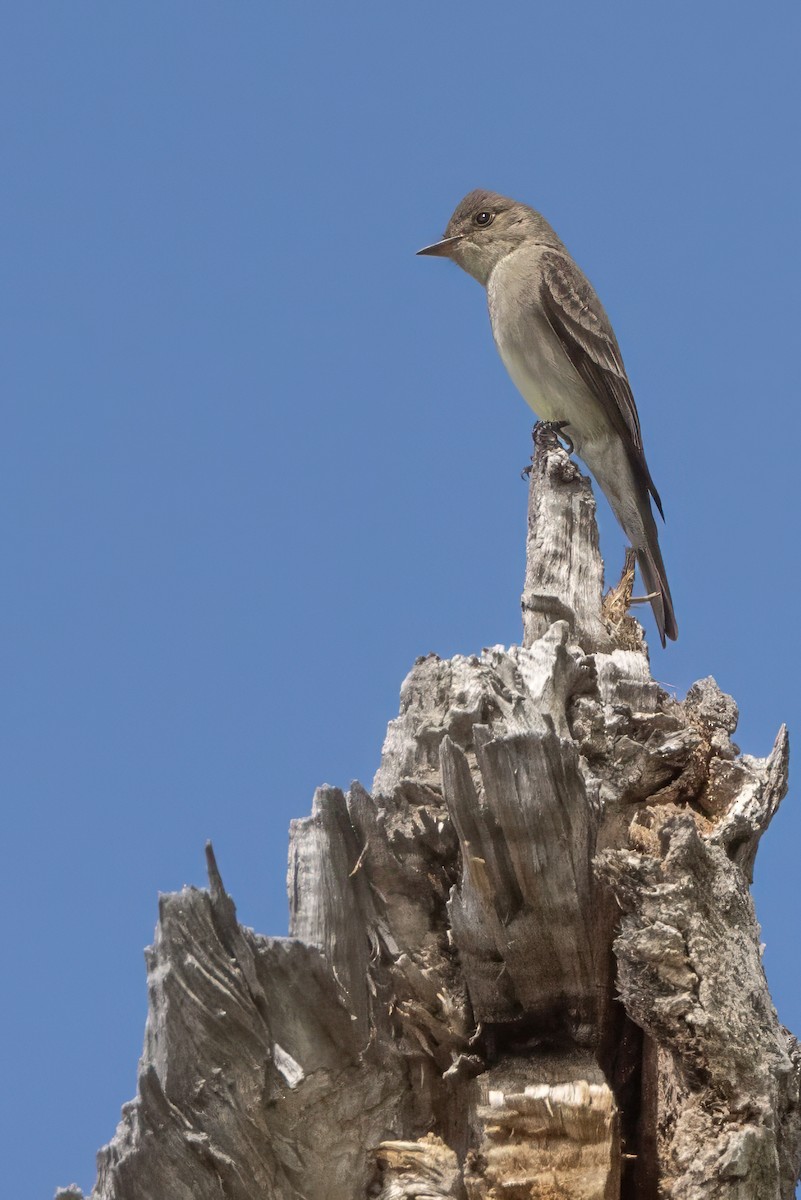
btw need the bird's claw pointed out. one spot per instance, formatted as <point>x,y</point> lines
<point>557,428</point>
<point>557,431</point>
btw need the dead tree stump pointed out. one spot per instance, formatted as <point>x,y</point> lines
<point>525,966</point>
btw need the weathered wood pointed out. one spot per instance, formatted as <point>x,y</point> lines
<point>423,1170</point>
<point>545,1139</point>
<point>252,1069</point>
<point>690,974</point>
<point>526,965</point>
<point>519,914</point>
<point>564,571</point>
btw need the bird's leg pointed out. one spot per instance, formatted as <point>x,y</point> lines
<point>553,434</point>
<point>557,428</point>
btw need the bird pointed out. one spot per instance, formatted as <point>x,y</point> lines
<point>558,346</point>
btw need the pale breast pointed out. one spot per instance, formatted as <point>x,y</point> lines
<point>532,352</point>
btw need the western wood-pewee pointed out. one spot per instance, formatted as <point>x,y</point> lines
<point>558,345</point>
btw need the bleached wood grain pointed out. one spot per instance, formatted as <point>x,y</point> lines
<point>525,965</point>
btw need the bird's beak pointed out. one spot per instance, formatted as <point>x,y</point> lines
<point>442,249</point>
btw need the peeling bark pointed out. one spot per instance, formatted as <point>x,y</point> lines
<point>527,965</point>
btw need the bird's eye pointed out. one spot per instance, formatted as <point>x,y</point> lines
<point>484,218</point>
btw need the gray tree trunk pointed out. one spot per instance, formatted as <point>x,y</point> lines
<point>526,965</point>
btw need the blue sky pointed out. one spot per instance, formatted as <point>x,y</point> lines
<point>257,457</point>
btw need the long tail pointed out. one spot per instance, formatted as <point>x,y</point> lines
<point>625,481</point>
<point>655,577</point>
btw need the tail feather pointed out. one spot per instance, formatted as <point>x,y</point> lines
<point>626,483</point>
<point>654,578</point>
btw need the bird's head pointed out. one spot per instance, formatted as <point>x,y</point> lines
<point>485,228</point>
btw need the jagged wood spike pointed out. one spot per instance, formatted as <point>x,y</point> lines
<point>526,965</point>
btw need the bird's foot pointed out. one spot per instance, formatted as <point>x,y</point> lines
<point>557,430</point>
<point>551,433</point>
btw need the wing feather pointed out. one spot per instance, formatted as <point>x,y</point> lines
<point>577,317</point>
